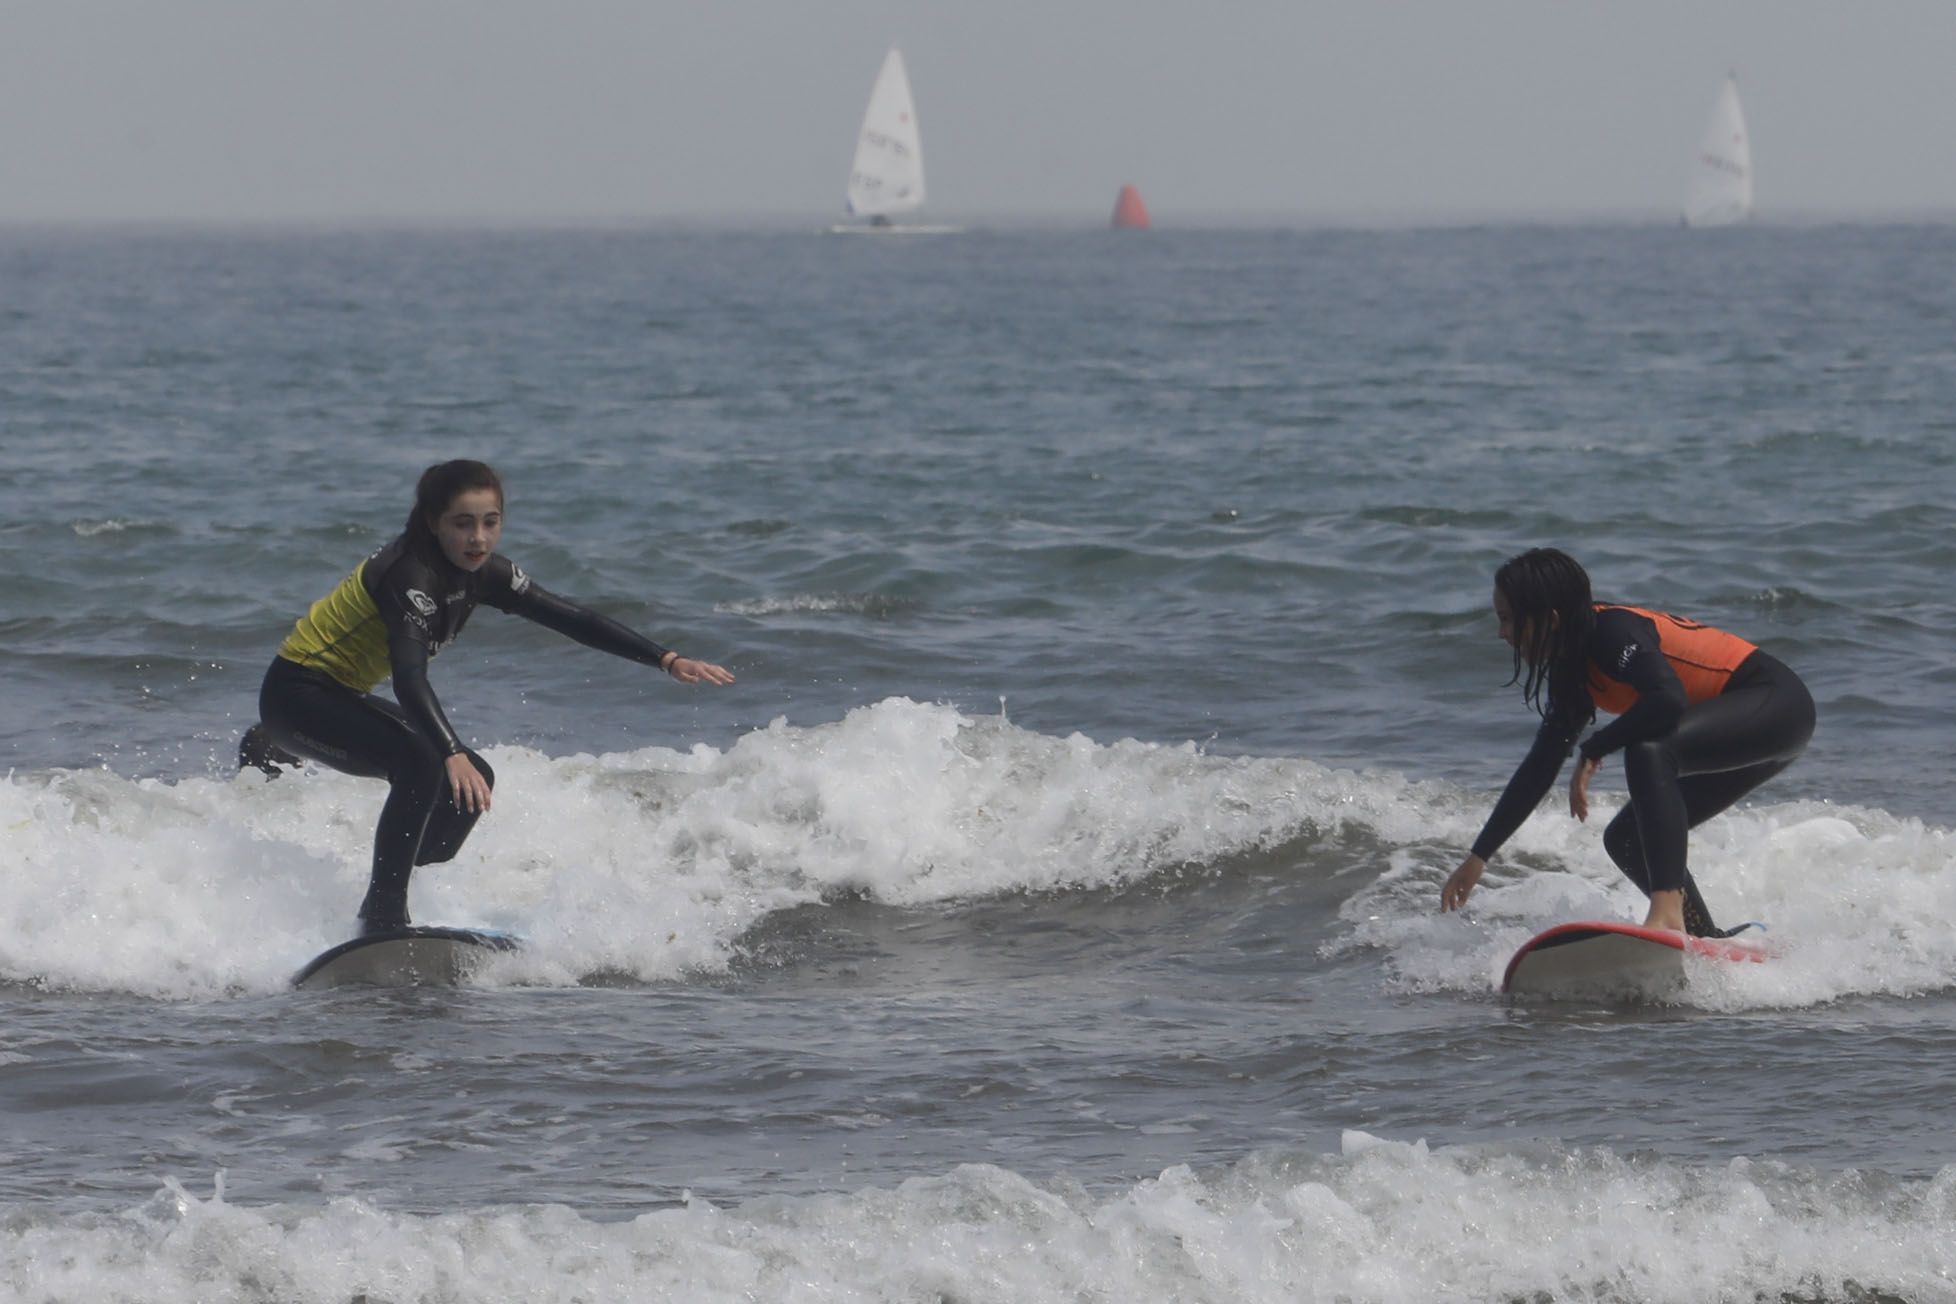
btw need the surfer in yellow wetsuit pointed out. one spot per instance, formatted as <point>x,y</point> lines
<point>396,610</point>
<point>1703,718</point>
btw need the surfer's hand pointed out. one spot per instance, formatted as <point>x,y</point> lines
<point>1579,787</point>
<point>466,782</point>
<point>688,671</point>
<point>1461,882</point>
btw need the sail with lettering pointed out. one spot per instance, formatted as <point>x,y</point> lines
<point>1720,193</point>
<point>887,178</point>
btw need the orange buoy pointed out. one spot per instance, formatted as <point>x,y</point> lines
<point>1129,211</point>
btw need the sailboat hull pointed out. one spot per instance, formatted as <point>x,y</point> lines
<point>895,229</point>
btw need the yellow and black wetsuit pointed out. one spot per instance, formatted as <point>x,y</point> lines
<point>1703,718</point>
<point>399,608</point>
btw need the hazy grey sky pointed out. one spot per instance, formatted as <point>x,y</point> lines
<point>1216,109</point>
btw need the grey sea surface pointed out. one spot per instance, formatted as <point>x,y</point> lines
<point>1116,686</point>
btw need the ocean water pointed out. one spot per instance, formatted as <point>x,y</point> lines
<point>1049,911</point>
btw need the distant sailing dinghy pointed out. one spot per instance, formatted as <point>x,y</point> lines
<point>886,181</point>
<point>1721,179</point>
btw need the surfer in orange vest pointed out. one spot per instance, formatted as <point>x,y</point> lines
<point>1702,718</point>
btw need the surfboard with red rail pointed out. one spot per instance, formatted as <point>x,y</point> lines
<point>1600,957</point>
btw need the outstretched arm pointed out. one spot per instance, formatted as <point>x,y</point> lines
<point>595,630</point>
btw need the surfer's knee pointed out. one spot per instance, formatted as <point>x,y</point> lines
<point>449,824</point>
<point>256,750</point>
<point>1642,755</point>
<point>1649,761</point>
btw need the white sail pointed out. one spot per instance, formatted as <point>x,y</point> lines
<point>888,175</point>
<point>1721,179</point>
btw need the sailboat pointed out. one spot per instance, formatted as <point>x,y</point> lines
<point>886,181</point>
<point>1720,193</point>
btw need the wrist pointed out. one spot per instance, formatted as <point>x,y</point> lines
<point>668,661</point>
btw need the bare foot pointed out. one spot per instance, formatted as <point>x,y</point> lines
<point>1666,911</point>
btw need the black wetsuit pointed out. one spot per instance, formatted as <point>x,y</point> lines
<point>396,610</point>
<point>1684,761</point>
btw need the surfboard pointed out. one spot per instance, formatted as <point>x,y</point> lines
<point>406,957</point>
<point>1601,958</point>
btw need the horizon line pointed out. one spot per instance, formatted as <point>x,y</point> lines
<point>1003,220</point>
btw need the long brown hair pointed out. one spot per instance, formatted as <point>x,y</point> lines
<point>1552,615</point>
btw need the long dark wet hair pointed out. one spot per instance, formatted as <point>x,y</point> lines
<point>1553,616</point>
<point>439,486</point>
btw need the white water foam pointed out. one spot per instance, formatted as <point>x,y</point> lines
<point>649,864</point>
<point>89,529</point>
<point>653,864</point>
<point>1382,1220</point>
<point>876,605</point>
<point>1855,902</point>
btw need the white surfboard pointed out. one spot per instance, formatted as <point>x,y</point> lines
<point>1602,958</point>
<point>406,957</point>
